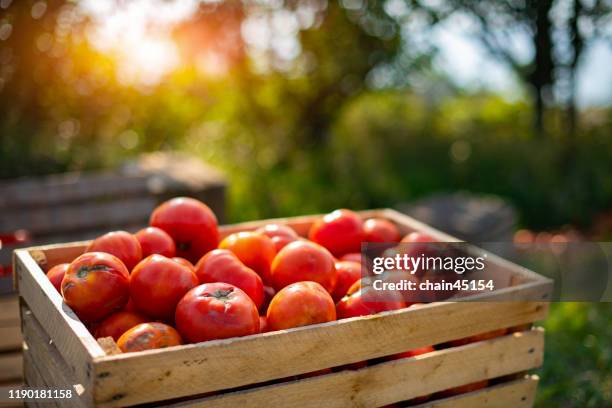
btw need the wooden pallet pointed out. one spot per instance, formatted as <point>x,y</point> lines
<point>257,370</point>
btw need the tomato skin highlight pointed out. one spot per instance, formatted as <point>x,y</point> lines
<point>354,304</point>
<point>121,244</point>
<point>155,241</point>
<point>348,273</point>
<point>148,336</point>
<point>280,234</point>
<point>216,311</point>
<point>157,284</point>
<point>191,224</point>
<point>380,230</point>
<point>340,231</point>
<point>300,304</point>
<point>304,261</point>
<point>56,275</point>
<point>255,250</point>
<point>118,323</point>
<point>222,265</point>
<point>95,285</point>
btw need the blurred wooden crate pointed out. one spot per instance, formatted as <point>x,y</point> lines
<point>258,370</point>
<point>78,206</point>
<point>11,361</point>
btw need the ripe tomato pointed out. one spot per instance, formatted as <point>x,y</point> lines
<point>184,262</point>
<point>263,324</point>
<point>158,283</point>
<point>340,232</point>
<point>304,261</point>
<point>121,244</point>
<point>300,304</point>
<point>380,230</point>
<point>190,223</point>
<point>412,353</point>
<point>464,388</point>
<point>479,337</point>
<point>118,323</point>
<point>254,250</point>
<point>155,241</point>
<point>418,237</point>
<point>269,293</point>
<point>354,304</point>
<point>216,311</point>
<point>56,274</point>
<point>280,234</point>
<point>221,265</point>
<point>95,285</point>
<point>147,336</point>
<point>348,273</point>
<point>352,257</point>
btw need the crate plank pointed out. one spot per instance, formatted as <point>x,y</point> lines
<point>517,394</point>
<point>245,360</point>
<point>71,336</point>
<point>11,366</point>
<point>35,379</point>
<point>396,380</point>
<point>43,353</point>
<point>9,309</point>
<point>10,337</point>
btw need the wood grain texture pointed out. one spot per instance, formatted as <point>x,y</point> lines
<point>516,394</point>
<point>178,370</point>
<point>69,334</point>
<point>9,309</point>
<point>44,355</point>
<point>10,337</point>
<point>11,366</point>
<point>397,380</point>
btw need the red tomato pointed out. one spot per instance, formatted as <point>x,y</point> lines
<point>190,223</point>
<point>155,241</point>
<point>300,304</point>
<point>352,257</point>
<point>56,274</point>
<point>121,244</point>
<point>280,234</point>
<point>118,323</point>
<point>147,336</point>
<point>158,283</point>
<point>340,231</point>
<point>354,304</point>
<point>479,337</point>
<point>380,230</point>
<point>95,285</point>
<point>216,311</point>
<point>184,262</point>
<point>412,353</point>
<point>254,250</point>
<point>418,237</point>
<point>464,388</point>
<point>221,265</point>
<point>130,307</point>
<point>304,261</point>
<point>263,324</point>
<point>348,273</point>
<point>269,293</point>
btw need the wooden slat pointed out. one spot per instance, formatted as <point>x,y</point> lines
<point>516,394</point>
<point>71,337</point>
<point>397,380</point>
<point>178,371</point>
<point>11,366</point>
<point>9,309</point>
<point>10,337</point>
<point>43,355</point>
<point>35,379</point>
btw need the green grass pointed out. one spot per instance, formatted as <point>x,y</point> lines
<point>577,369</point>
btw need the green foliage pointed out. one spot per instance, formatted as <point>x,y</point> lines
<point>577,368</point>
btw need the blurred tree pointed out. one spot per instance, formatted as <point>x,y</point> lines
<point>558,30</point>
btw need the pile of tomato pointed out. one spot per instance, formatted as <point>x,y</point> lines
<point>178,282</point>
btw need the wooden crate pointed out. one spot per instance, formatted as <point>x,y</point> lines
<point>60,352</point>
<point>78,206</point>
<point>11,361</point>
